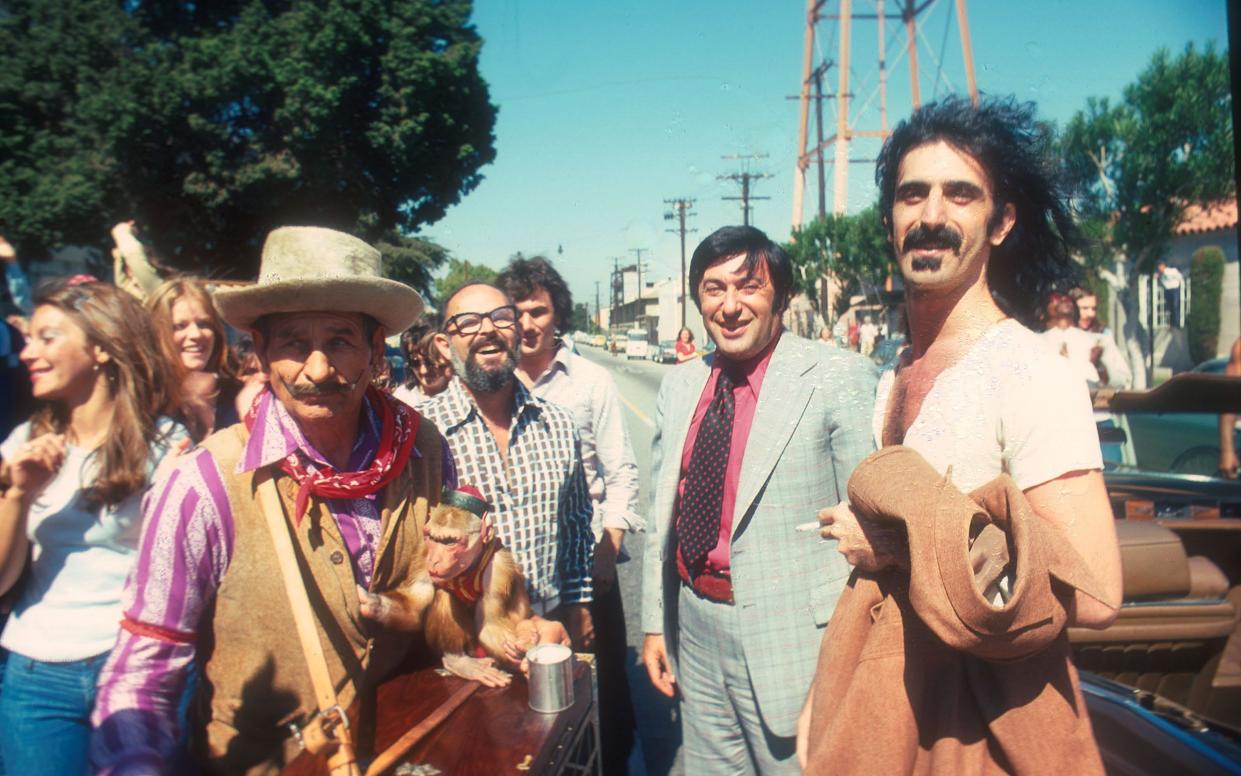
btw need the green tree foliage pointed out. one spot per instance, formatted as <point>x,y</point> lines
<point>1135,166</point>
<point>581,318</point>
<point>412,260</point>
<point>457,274</point>
<point>1206,272</point>
<point>211,123</point>
<point>853,248</point>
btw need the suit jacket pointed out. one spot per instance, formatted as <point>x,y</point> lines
<point>811,428</point>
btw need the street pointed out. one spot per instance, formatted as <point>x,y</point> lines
<point>659,729</point>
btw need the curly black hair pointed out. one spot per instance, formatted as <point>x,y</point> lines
<point>522,277</point>
<point>1002,135</point>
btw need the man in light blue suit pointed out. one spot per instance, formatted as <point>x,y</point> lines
<point>748,445</point>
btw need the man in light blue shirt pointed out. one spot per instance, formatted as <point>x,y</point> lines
<point>553,372</point>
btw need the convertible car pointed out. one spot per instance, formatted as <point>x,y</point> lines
<point>1163,683</point>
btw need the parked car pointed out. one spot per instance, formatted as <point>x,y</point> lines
<point>1163,682</point>
<point>599,341</point>
<point>665,352</point>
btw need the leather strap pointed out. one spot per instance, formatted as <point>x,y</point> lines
<point>341,762</point>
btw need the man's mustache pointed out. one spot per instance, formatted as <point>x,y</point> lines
<point>922,237</point>
<point>301,391</point>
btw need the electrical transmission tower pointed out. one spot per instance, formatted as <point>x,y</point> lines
<point>680,209</point>
<point>745,178</point>
<point>849,124</point>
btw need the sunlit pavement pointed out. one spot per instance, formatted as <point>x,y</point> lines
<point>659,724</point>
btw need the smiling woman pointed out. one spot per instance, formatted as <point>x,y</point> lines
<point>73,477</point>
<point>195,344</point>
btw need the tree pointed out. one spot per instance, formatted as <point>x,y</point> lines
<point>1206,275</point>
<point>852,248</point>
<point>458,274</point>
<point>1136,166</point>
<point>581,318</point>
<point>212,123</point>
<point>412,260</point>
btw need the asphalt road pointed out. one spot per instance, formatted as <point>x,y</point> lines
<point>659,726</point>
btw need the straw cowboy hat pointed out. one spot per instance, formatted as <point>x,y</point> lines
<point>312,269</point>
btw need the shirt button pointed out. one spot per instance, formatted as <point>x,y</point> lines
<point>337,557</point>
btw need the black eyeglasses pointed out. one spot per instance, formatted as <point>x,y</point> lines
<point>467,324</point>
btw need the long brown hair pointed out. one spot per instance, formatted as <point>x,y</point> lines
<point>161,302</point>
<point>138,382</point>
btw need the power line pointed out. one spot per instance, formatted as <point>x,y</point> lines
<point>745,178</point>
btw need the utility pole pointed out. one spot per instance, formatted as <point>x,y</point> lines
<point>597,308</point>
<point>744,177</point>
<point>678,212</point>
<point>618,283</point>
<point>638,252</point>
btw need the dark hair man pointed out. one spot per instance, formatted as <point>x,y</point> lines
<point>980,233</point>
<point>522,452</point>
<point>749,443</point>
<point>553,372</point>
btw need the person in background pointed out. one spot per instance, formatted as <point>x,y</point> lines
<point>1108,360</point>
<point>15,279</point>
<point>194,337</point>
<point>426,371</point>
<point>867,333</point>
<point>825,335</point>
<point>1079,347</point>
<point>73,478</point>
<point>1170,280</point>
<point>686,349</point>
<point>551,371</point>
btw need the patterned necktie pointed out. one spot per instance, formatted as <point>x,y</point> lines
<point>698,521</point>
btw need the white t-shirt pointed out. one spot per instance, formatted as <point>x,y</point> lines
<point>1008,406</point>
<point>70,603</point>
<point>1075,344</point>
<point>1170,278</point>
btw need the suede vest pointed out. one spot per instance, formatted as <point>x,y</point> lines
<point>254,679</point>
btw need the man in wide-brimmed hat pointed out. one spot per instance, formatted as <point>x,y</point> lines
<point>354,473</point>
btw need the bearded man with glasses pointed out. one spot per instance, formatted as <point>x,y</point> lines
<point>521,452</point>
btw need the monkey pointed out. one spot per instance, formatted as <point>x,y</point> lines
<point>480,616</point>
<point>468,596</point>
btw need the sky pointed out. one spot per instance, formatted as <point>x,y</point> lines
<point>607,109</point>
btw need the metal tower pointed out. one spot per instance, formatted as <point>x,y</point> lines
<point>849,124</point>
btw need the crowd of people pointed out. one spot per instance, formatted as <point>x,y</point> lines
<point>188,449</point>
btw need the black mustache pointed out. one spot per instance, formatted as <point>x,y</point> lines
<point>923,237</point>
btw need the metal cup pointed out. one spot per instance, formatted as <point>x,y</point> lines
<point>551,678</point>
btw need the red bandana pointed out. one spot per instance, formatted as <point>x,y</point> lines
<point>398,427</point>
<point>468,586</point>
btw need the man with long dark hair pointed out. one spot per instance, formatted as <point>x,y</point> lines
<point>981,233</point>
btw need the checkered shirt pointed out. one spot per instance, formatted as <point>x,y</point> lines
<point>541,505</point>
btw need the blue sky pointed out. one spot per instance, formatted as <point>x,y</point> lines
<point>608,109</point>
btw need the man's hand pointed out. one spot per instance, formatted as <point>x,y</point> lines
<point>581,627</point>
<point>864,545</point>
<point>655,658</point>
<point>604,571</point>
<point>535,630</point>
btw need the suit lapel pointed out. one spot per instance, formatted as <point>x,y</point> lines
<point>781,401</point>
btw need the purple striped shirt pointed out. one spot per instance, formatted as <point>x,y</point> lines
<point>187,543</point>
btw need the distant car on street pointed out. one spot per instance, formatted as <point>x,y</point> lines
<point>636,344</point>
<point>599,341</point>
<point>664,353</point>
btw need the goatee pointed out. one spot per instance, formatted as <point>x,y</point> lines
<point>483,380</point>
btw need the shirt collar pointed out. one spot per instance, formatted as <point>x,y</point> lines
<point>752,368</point>
<point>276,435</point>
<point>459,405</point>
<point>559,361</point>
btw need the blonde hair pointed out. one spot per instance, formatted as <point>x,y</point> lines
<point>137,375</point>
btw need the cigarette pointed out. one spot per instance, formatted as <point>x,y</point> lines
<point>810,526</point>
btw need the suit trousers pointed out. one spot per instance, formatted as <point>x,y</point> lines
<point>722,727</point>
<point>616,716</point>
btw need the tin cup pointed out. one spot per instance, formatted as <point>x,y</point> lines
<point>551,678</point>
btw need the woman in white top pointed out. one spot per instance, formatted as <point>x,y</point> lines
<point>73,477</point>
